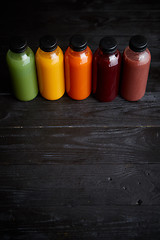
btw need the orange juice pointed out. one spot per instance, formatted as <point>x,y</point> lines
<point>78,68</point>
<point>50,68</point>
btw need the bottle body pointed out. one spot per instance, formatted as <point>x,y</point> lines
<point>23,74</point>
<point>106,74</point>
<point>135,74</point>
<point>50,70</point>
<point>78,73</point>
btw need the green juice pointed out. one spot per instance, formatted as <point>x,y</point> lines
<point>23,74</point>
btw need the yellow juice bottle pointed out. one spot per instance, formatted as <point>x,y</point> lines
<point>50,68</point>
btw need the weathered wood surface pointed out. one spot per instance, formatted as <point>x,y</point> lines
<point>82,222</point>
<point>80,169</point>
<point>74,185</point>
<point>79,145</point>
<point>86,113</point>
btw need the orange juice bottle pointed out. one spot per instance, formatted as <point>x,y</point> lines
<point>78,68</point>
<point>50,68</point>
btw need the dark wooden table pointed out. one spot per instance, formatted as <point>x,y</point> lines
<point>80,169</point>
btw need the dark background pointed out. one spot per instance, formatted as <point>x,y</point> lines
<point>80,169</point>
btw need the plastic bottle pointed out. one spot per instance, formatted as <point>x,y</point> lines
<point>106,70</point>
<point>50,68</point>
<point>21,63</point>
<point>78,68</point>
<point>136,64</point>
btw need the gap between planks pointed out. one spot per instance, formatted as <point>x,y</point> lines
<point>81,126</point>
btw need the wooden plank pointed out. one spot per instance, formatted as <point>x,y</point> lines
<point>79,145</point>
<point>15,9</point>
<point>90,112</point>
<point>99,5</point>
<point>153,84</point>
<point>80,223</point>
<point>79,185</point>
<point>92,25</point>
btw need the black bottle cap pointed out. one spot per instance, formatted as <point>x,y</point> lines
<point>108,45</point>
<point>138,43</point>
<point>48,43</point>
<point>18,44</point>
<point>78,43</point>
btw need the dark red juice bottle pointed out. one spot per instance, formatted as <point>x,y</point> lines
<point>106,70</point>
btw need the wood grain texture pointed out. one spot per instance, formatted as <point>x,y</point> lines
<point>89,112</point>
<point>87,5</point>
<point>79,145</point>
<point>79,185</point>
<point>93,24</point>
<point>81,223</point>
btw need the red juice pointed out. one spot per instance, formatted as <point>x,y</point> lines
<point>106,70</point>
<point>136,64</point>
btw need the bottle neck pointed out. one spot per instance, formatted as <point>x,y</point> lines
<point>76,53</point>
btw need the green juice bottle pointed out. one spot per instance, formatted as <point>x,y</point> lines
<point>21,64</point>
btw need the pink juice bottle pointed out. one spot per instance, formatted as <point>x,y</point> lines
<point>136,64</point>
